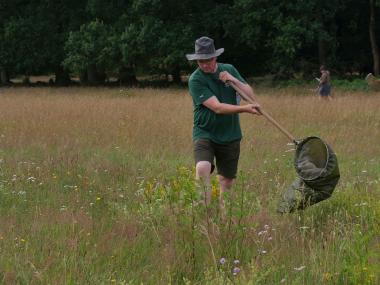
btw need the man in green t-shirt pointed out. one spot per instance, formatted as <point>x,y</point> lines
<point>216,129</point>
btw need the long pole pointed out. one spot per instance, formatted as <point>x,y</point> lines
<point>265,114</point>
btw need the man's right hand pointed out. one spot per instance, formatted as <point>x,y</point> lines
<point>253,108</point>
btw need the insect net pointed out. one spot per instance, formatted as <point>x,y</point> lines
<point>318,173</point>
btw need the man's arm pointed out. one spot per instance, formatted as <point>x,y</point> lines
<point>225,109</point>
<point>323,78</point>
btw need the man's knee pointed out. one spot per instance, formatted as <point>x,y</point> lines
<point>203,169</point>
<point>226,182</point>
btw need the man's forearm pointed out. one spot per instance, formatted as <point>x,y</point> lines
<point>226,109</point>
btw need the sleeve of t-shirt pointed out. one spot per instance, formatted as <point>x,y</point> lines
<point>199,91</point>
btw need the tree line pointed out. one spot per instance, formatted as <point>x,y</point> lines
<point>98,39</point>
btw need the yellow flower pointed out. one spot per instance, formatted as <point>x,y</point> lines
<point>149,187</point>
<point>326,276</point>
<point>214,188</point>
<point>175,185</point>
<point>98,198</point>
<point>214,191</point>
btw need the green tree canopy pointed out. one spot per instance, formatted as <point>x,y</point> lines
<point>98,38</point>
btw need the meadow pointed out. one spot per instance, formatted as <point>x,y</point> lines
<point>97,187</point>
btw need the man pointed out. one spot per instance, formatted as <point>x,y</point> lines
<point>216,129</point>
<point>324,86</point>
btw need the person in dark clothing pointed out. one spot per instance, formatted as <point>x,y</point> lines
<point>324,87</point>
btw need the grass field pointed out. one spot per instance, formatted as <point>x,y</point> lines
<point>96,187</point>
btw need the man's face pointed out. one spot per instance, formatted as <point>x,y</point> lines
<point>207,65</point>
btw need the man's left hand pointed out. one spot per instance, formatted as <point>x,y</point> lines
<point>225,76</point>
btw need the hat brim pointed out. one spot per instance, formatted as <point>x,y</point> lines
<point>197,56</point>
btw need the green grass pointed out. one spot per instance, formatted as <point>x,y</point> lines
<point>98,188</point>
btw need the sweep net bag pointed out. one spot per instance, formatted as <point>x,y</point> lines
<point>318,173</point>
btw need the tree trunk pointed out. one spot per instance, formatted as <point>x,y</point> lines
<point>321,50</point>
<point>4,77</point>
<point>321,41</point>
<point>83,78</point>
<point>101,75</point>
<point>92,74</point>
<point>62,78</point>
<point>176,74</point>
<point>127,76</point>
<point>372,36</point>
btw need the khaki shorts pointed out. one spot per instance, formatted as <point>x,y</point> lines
<point>226,156</point>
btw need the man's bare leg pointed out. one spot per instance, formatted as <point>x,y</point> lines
<point>202,172</point>
<point>225,185</point>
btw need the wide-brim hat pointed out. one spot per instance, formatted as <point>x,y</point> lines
<point>204,49</point>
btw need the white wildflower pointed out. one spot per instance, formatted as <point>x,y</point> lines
<point>302,267</point>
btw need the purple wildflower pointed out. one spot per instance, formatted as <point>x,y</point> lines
<point>236,271</point>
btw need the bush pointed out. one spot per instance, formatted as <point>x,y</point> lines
<point>350,85</point>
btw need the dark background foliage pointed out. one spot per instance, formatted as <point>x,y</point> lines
<point>96,40</point>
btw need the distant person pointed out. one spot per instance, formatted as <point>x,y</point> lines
<point>324,87</point>
<point>216,129</point>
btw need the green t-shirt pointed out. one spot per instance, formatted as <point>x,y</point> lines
<point>218,128</point>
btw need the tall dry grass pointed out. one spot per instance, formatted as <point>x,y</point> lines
<point>145,119</point>
<point>81,168</point>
